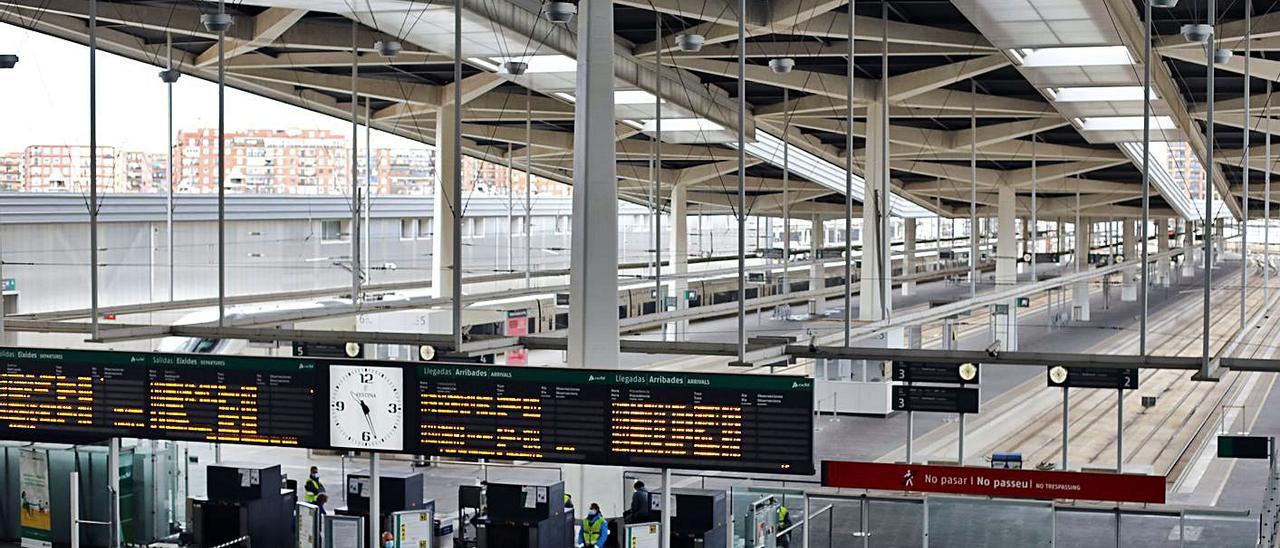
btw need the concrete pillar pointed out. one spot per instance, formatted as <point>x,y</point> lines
<point>680,252</point>
<point>444,207</point>
<point>1189,257</point>
<point>1006,325</point>
<point>869,289</point>
<point>593,273</point>
<point>1060,234</point>
<point>1219,239</point>
<point>1162,246</point>
<point>908,255</point>
<point>1024,247</point>
<point>1128,248</point>
<point>817,279</point>
<point>1080,291</point>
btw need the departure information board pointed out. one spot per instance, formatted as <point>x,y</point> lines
<point>79,396</point>
<point>752,423</point>
<point>724,422</point>
<point>215,399</point>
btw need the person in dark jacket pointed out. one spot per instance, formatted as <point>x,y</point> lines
<point>640,504</point>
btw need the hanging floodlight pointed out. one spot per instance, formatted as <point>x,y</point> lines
<point>387,48</point>
<point>1163,3</point>
<point>7,61</point>
<point>169,76</point>
<point>690,43</point>
<point>782,65</point>
<point>1222,56</point>
<point>216,22</point>
<point>559,12</point>
<point>515,68</point>
<point>1193,32</point>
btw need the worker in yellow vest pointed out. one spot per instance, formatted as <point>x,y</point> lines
<point>313,487</point>
<point>784,521</point>
<point>595,530</point>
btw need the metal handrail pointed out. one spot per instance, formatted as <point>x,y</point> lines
<point>804,521</point>
<point>245,539</point>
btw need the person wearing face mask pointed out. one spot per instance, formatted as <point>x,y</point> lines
<point>595,530</point>
<point>313,487</point>
<point>388,541</point>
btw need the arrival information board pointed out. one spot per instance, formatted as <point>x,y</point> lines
<point>75,396</point>
<point>724,422</point>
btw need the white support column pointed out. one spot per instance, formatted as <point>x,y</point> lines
<point>1060,235</point>
<point>593,273</point>
<point>444,208</point>
<point>1007,265</point>
<point>869,289</point>
<point>680,253</point>
<point>1129,249</point>
<point>816,277</point>
<point>1080,291</point>
<point>1219,239</point>
<point>1162,242</point>
<point>1189,258</point>
<point>908,255</point>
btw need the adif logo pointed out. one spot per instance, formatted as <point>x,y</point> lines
<point>798,384</point>
<point>594,378</point>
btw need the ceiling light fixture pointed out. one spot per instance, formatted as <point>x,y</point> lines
<point>690,43</point>
<point>387,48</point>
<point>782,65</point>
<point>515,68</point>
<point>1163,3</point>
<point>216,22</point>
<point>1222,56</point>
<point>7,61</point>
<point>169,76</point>
<point>1196,32</point>
<point>559,12</point>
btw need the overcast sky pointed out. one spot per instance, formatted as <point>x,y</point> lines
<point>46,100</point>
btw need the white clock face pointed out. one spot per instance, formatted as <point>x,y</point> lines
<point>366,407</point>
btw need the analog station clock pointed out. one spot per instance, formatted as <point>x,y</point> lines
<point>366,407</point>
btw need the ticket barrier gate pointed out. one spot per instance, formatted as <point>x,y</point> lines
<point>508,515</point>
<point>763,523</point>
<point>398,491</point>
<point>244,500</point>
<point>699,517</point>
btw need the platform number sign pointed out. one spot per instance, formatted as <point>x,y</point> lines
<point>1093,377</point>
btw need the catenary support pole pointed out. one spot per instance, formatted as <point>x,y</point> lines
<point>786,195</point>
<point>456,191</point>
<point>1208,192</point>
<point>1066,432</point>
<point>369,170</point>
<point>885,187</point>
<point>848,187</point>
<point>1120,431</point>
<point>667,499</point>
<point>168,206</point>
<point>1146,180</point>
<point>659,300</point>
<point>355,165</point>
<point>222,172</point>
<point>1244,197</point>
<point>1266,206</point>
<point>528,186</point>
<point>93,165</point>
<point>973,189</point>
<point>742,181</point>
<point>1035,229</point>
<point>375,500</point>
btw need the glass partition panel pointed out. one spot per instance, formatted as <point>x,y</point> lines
<point>1205,529</point>
<point>837,527</point>
<point>1139,529</point>
<point>959,522</point>
<point>1077,528</point>
<point>894,522</point>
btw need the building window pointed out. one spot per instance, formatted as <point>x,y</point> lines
<point>335,230</point>
<point>517,226</point>
<point>425,228</point>
<point>562,224</point>
<point>407,229</point>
